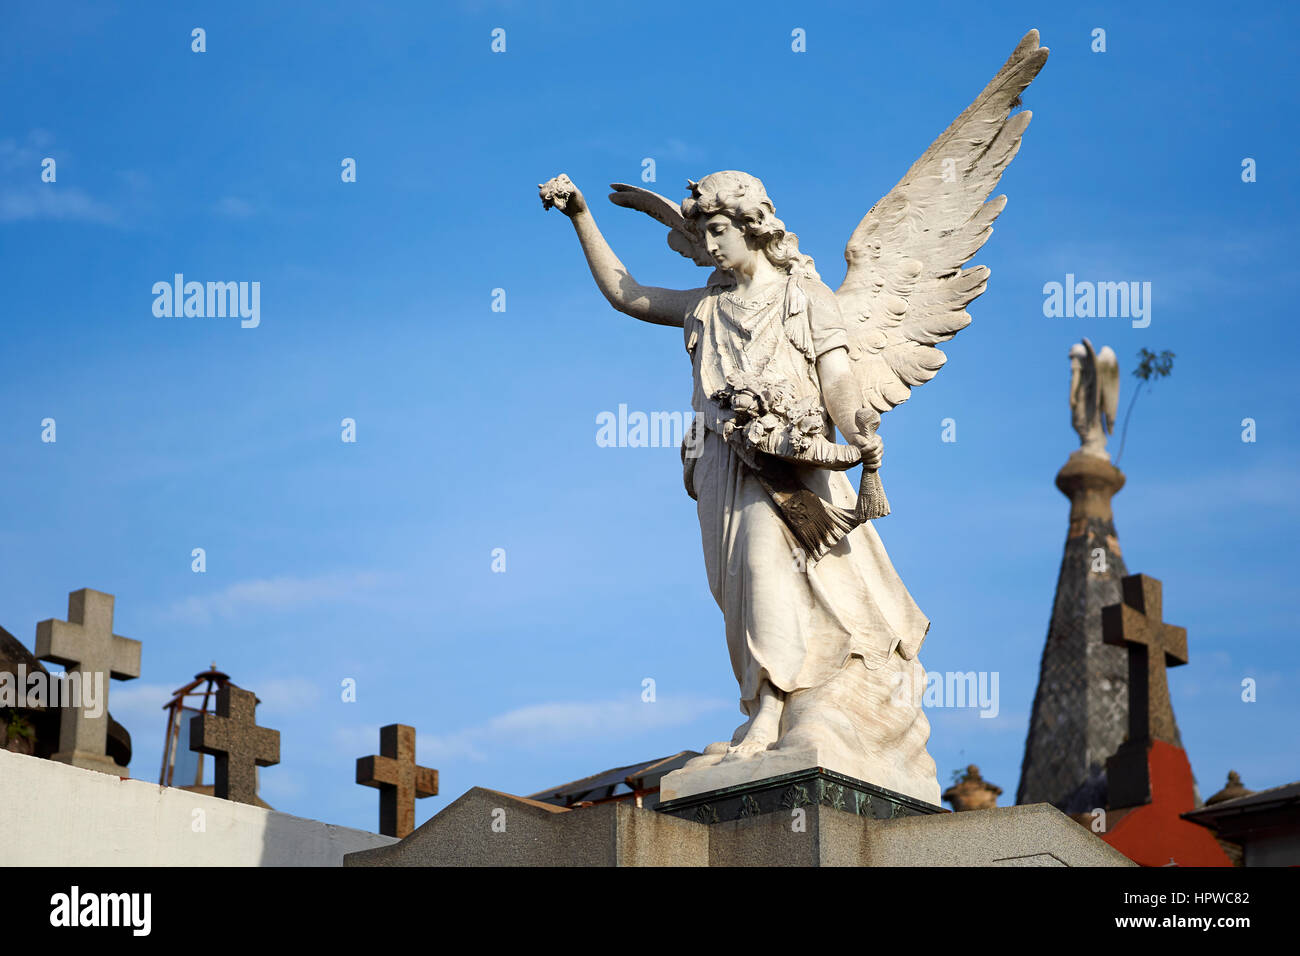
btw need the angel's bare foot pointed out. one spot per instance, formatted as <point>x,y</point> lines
<point>742,730</point>
<point>762,729</point>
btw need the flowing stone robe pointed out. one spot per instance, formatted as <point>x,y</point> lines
<point>839,636</point>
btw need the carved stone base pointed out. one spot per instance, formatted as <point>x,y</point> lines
<point>802,788</point>
<point>866,723</point>
<point>621,834</point>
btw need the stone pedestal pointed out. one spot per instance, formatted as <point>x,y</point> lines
<point>488,828</point>
<point>803,788</point>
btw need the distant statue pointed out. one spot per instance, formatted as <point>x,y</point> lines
<point>972,792</point>
<point>823,635</point>
<point>1094,396</point>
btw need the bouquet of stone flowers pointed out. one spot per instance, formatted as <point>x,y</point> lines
<point>768,418</point>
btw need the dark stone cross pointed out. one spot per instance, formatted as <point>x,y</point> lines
<point>232,736</point>
<point>85,645</point>
<point>399,781</point>
<point>1152,646</point>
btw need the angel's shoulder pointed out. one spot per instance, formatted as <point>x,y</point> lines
<point>824,305</point>
<point>697,300</point>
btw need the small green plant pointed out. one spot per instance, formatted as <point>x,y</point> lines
<point>1150,367</point>
<point>16,725</point>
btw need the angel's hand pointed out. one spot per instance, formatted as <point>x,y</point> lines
<point>873,450</point>
<point>561,193</point>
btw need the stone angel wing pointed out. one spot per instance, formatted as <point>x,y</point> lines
<point>1094,395</point>
<point>1108,385</point>
<point>906,289</point>
<point>1094,389</point>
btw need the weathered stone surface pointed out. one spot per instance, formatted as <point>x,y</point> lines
<point>1080,712</point>
<point>1006,836</point>
<point>232,736</point>
<point>487,828</point>
<point>1151,644</point>
<point>85,644</point>
<point>1137,626</point>
<point>397,777</point>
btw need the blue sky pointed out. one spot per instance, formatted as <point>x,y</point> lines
<point>476,428</point>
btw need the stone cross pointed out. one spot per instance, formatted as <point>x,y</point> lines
<point>232,736</point>
<point>85,645</point>
<point>399,781</point>
<point>1152,646</point>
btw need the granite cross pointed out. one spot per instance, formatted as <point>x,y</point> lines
<point>238,744</point>
<point>399,781</point>
<point>87,648</point>
<point>1152,646</point>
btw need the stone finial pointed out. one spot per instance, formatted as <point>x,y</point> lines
<point>400,782</point>
<point>1231,791</point>
<point>87,648</point>
<point>972,792</point>
<point>232,736</point>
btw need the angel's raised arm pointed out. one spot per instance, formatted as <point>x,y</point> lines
<point>647,303</point>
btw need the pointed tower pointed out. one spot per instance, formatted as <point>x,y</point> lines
<point>1080,714</point>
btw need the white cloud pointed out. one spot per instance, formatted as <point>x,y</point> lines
<point>51,201</point>
<point>277,784</point>
<point>1266,487</point>
<point>541,725</point>
<point>15,157</point>
<point>284,694</point>
<point>278,593</point>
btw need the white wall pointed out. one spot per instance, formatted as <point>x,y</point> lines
<point>55,815</point>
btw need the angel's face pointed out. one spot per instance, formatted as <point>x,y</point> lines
<point>726,242</point>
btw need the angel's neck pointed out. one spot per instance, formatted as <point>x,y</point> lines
<point>762,275</point>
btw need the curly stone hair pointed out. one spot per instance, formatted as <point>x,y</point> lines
<point>742,197</point>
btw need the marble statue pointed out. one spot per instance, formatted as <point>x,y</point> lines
<point>1094,396</point>
<point>822,633</point>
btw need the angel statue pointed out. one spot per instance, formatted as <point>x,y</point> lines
<point>1094,396</point>
<point>822,633</point>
